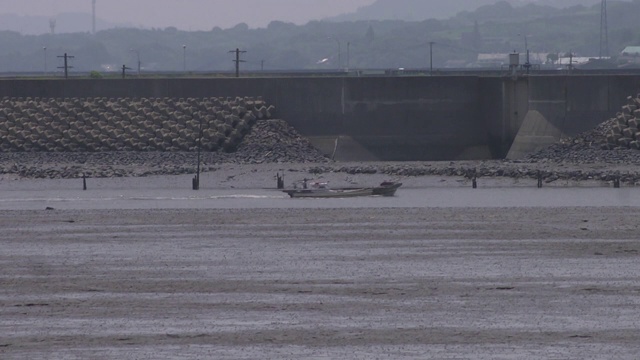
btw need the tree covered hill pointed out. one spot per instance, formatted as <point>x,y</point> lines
<point>64,23</point>
<point>321,45</point>
<point>417,10</point>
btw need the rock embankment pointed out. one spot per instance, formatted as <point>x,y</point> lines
<point>114,137</point>
<point>615,141</point>
<point>127,124</point>
<point>590,156</point>
<point>268,141</point>
<point>275,141</point>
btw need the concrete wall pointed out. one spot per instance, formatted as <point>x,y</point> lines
<point>566,105</point>
<point>390,118</point>
<point>578,103</point>
<point>434,118</point>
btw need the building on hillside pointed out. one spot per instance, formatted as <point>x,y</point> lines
<point>456,64</point>
<point>630,55</point>
<point>599,63</point>
<point>492,60</point>
<point>569,61</point>
<point>536,58</point>
<point>497,60</point>
<point>631,51</point>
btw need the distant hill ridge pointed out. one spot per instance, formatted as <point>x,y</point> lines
<point>65,23</point>
<point>407,10</point>
<point>418,10</point>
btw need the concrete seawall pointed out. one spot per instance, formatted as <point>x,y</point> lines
<point>395,118</point>
<point>564,106</point>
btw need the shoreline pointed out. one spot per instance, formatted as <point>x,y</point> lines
<point>101,166</point>
<point>247,180</point>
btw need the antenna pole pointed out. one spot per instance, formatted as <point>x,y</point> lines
<point>94,17</point>
<point>604,30</point>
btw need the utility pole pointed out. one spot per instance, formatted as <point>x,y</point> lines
<point>139,62</point>
<point>237,60</point>
<point>604,30</point>
<point>431,57</point>
<point>348,55</point>
<point>94,17</point>
<point>66,66</point>
<point>184,58</point>
<point>196,180</point>
<point>339,51</point>
<point>124,71</point>
<point>570,60</point>
<point>45,59</point>
<point>527,64</point>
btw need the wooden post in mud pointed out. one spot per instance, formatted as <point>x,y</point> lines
<point>474,179</point>
<point>84,181</point>
<point>280,183</point>
<point>539,179</point>
<point>195,183</point>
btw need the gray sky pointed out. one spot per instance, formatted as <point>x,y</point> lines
<point>189,14</point>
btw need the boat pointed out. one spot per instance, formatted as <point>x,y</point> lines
<point>322,190</point>
<point>387,188</point>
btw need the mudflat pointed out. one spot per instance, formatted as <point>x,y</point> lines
<point>446,283</point>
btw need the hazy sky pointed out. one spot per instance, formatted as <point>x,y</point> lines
<point>189,14</point>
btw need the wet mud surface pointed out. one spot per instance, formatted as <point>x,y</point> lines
<point>320,283</point>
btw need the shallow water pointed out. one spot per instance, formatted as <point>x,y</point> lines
<point>161,197</point>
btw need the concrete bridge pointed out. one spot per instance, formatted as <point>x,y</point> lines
<point>396,118</point>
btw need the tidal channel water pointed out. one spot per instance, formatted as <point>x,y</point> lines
<point>64,194</point>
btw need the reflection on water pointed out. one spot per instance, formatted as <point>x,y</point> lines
<point>34,199</point>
